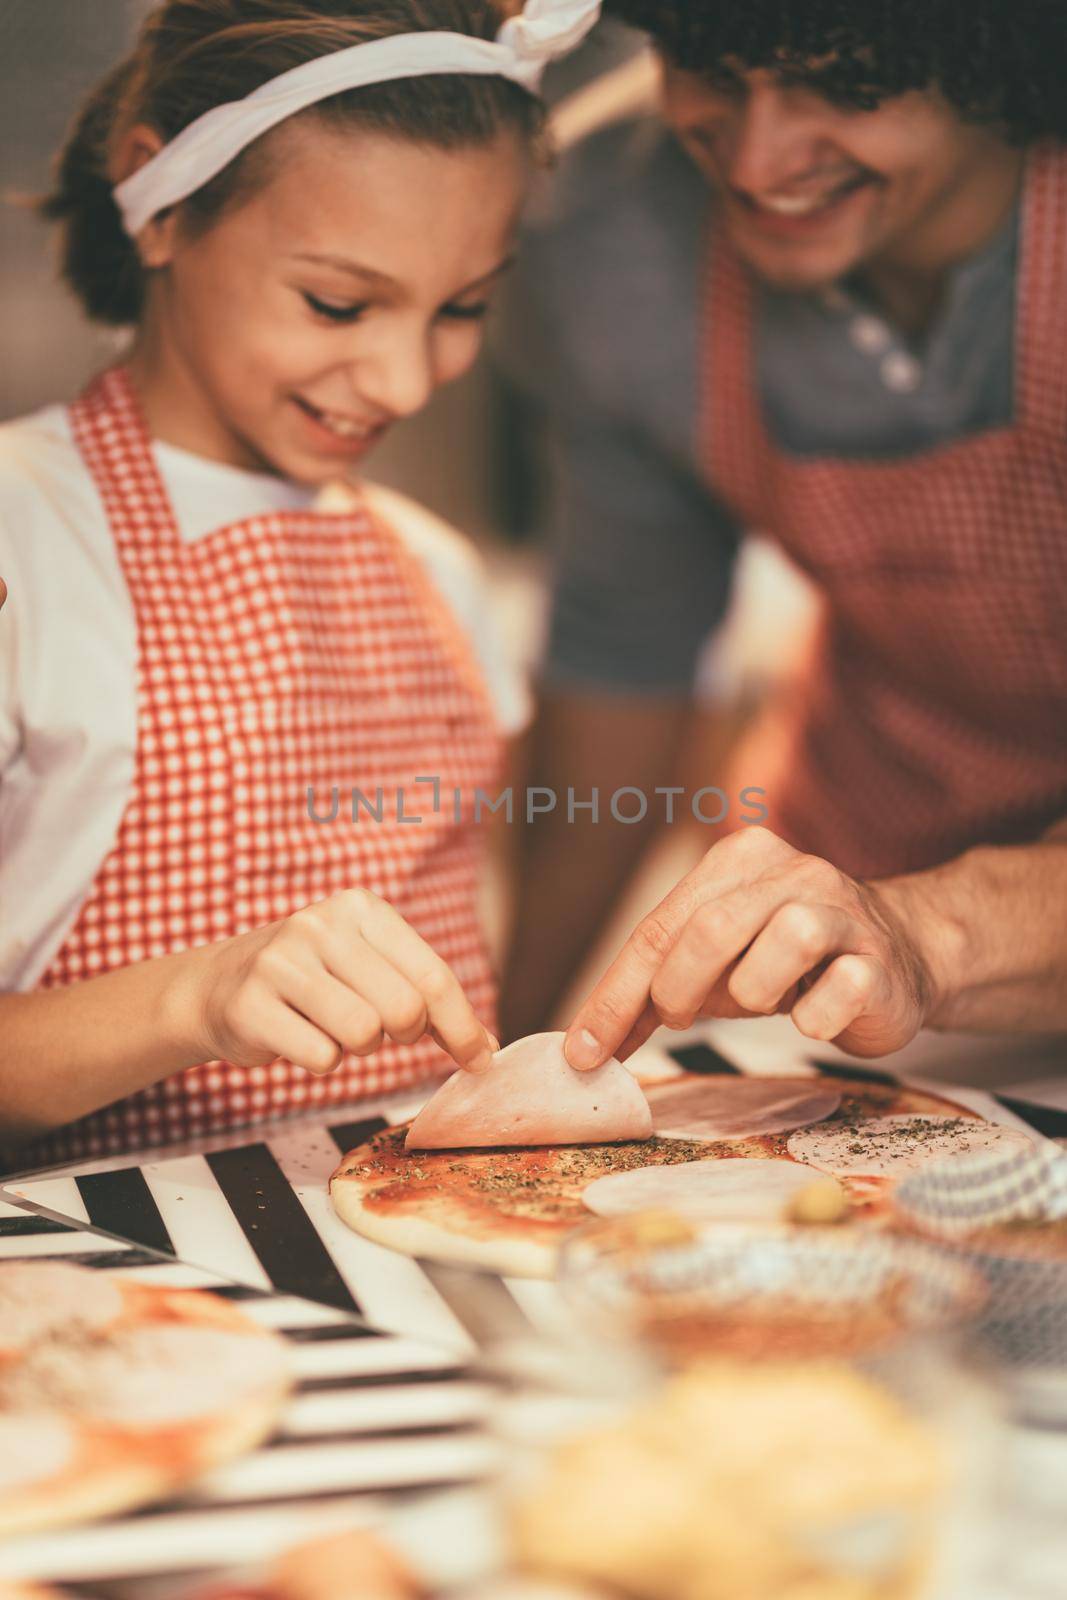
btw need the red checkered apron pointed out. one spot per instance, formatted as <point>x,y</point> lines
<point>295,652</point>
<point>935,717</point>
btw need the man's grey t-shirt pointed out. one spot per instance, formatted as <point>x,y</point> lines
<point>612,275</point>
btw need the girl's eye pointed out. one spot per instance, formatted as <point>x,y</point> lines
<point>332,312</point>
<point>465,313</point>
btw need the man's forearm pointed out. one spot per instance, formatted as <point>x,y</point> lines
<point>571,871</point>
<point>992,927</point>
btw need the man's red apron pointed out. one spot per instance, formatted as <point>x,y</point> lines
<point>295,653</point>
<point>936,714</point>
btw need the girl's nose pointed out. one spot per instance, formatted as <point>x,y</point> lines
<point>397,378</point>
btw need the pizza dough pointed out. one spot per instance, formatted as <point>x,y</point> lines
<point>738,1108</point>
<point>888,1147</point>
<point>125,1392</point>
<point>531,1096</point>
<point>37,1297</point>
<point>733,1190</point>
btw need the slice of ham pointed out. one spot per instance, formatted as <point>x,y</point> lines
<point>738,1108</point>
<point>38,1298</point>
<point>154,1376</point>
<point>735,1189</point>
<point>530,1095</point>
<point>889,1147</point>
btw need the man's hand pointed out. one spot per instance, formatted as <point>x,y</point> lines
<point>759,928</point>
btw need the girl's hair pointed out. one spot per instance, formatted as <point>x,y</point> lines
<point>192,55</point>
<point>1001,62</point>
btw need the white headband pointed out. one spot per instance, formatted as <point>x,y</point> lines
<point>521,51</point>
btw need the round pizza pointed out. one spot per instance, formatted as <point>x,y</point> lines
<point>115,1392</point>
<point>721,1147</point>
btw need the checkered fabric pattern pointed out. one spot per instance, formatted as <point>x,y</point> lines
<point>950,1199</point>
<point>1025,1320</point>
<point>296,652</point>
<point>934,716</point>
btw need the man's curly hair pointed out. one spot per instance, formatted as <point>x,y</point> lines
<point>1002,62</point>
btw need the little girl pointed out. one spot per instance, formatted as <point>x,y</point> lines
<point>302,208</point>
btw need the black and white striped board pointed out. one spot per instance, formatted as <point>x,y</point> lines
<point>378,1428</point>
<point>256,1209</point>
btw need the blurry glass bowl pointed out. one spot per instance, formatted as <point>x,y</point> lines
<point>814,1429</point>
<point>762,1291</point>
<point>1005,1216</point>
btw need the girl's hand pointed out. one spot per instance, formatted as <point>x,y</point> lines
<point>340,975</point>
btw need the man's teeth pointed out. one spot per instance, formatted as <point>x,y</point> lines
<point>800,206</point>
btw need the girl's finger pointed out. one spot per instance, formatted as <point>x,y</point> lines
<point>288,1034</point>
<point>451,1016</point>
<point>846,990</point>
<point>332,1006</point>
<point>797,938</point>
<point>394,999</point>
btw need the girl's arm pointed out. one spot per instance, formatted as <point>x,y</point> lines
<point>340,975</point>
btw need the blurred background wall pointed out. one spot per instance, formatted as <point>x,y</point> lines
<point>51,51</point>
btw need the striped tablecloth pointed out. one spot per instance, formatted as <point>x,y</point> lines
<point>386,1428</point>
<point>381,1430</point>
<point>255,1208</point>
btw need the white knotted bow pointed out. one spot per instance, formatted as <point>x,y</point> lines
<point>521,51</point>
<point>547,29</point>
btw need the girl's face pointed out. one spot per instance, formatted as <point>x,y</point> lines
<point>297,328</point>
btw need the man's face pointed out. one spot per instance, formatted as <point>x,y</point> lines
<point>812,190</point>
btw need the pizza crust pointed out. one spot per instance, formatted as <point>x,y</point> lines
<point>416,1236</point>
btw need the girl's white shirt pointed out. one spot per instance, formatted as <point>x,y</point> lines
<point>68,705</point>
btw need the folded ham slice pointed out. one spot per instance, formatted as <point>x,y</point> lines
<point>530,1095</point>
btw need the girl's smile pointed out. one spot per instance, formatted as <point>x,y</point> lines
<point>350,436</point>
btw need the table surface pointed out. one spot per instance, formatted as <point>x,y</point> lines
<point>388,1420</point>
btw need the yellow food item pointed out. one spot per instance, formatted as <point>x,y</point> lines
<point>643,1233</point>
<point>742,1483</point>
<point>821,1202</point>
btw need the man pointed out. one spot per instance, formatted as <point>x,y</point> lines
<point>830,307</point>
